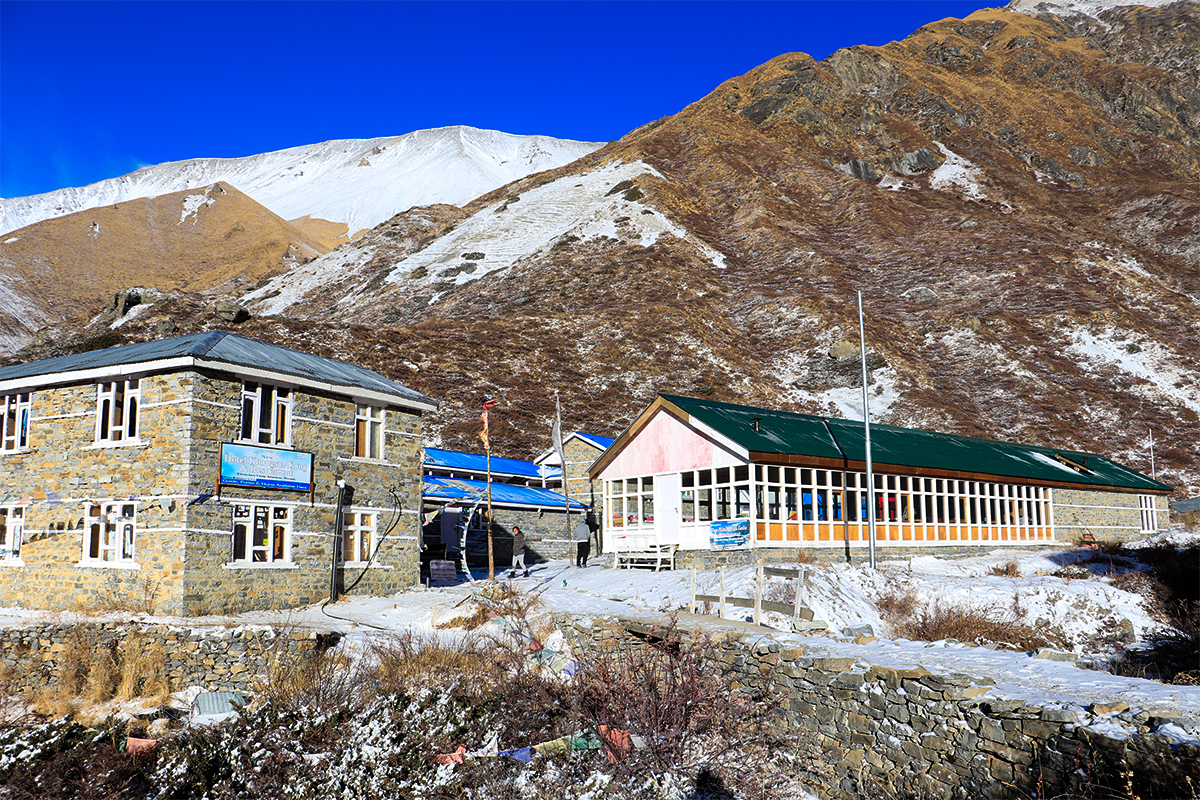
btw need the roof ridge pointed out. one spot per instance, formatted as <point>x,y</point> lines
<point>207,342</point>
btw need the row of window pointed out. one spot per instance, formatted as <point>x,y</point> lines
<point>782,494</point>
<point>266,418</point>
<point>262,534</point>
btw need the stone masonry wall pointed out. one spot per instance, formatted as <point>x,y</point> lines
<point>324,426</point>
<point>183,550</point>
<point>217,659</point>
<point>907,732</point>
<point>64,472</point>
<point>1107,516</point>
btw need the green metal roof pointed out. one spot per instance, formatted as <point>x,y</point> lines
<point>785,433</point>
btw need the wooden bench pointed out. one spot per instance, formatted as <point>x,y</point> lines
<point>642,550</point>
<point>658,556</point>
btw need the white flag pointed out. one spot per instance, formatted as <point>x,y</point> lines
<point>556,437</point>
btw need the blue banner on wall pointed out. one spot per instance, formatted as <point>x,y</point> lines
<point>265,468</point>
<point>729,534</point>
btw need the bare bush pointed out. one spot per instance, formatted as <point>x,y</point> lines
<point>695,721</point>
<point>1009,569</point>
<point>969,624</point>
<point>895,606</point>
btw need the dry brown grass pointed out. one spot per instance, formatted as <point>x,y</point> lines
<point>897,606</point>
<point>143,669</point>
<point>1007,570</point>
<point>977,625</point>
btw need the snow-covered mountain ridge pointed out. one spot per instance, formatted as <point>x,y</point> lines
<point>358,182</point>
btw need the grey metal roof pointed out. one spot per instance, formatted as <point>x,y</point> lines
<point>225,348</point>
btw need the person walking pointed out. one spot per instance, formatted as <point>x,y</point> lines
<point>582,535</point>
<point>518,560</point>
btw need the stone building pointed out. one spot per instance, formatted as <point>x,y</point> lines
<point>455,492</point>
<point>200,474</point>
<point>582,450</point>
<point>703,476</point>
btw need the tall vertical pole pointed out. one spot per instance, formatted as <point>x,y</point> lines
<point>491,557</point>
<point>862,341</point>
<point>1153,473</point>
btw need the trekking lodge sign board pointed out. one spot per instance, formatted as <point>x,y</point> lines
<point>266,468</point>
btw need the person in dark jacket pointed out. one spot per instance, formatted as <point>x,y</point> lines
<point>518,552</point>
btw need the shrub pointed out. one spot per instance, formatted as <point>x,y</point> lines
<point>977,625</point>
<point>896,606</point>
<point>698,724</point>
<point>1009,569</point>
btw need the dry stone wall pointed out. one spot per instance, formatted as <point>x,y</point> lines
<point>216,659</point>
<point>887,731</point>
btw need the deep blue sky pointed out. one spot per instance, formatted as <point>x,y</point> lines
<point>92,90</point>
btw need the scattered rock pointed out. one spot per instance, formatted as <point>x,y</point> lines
<point>122,302</point>
<point>231,312</point>
<point>166,327</point>
<point>923,295</point>
<point>844,350</point>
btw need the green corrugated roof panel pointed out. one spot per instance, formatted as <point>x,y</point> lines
<point>787,433</point>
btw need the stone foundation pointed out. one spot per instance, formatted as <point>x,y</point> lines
<point>907,732</point>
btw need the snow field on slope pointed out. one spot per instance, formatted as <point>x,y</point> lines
<point>1090,8</point>
<point>958,173</point>
<point>1162,375</point>
<point>576,205</point>
<point>361,182</point>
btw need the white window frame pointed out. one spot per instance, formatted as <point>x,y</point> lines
<point>1149,512</point>
<point>12,532</point>
<point>274,402</point>
<point>358,537</point>
<point>15,414</point>
<point>118,411</point>
<point>275,545</point>
<point>368,431</point>
<point>110,533</point>
<point>631,503</point>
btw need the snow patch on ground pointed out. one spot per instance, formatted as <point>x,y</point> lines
<point>1066,8</point>
<point>846,401</point>
<point>842,594</point>
<point>1163,378</point>
<point>193,203</point>
<point>957,173</point>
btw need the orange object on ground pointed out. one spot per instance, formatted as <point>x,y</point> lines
<point>140,747</point>
<point>616,743</point>
<point>457,757</point>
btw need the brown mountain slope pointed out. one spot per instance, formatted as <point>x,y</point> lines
<point>193,240</point>
<point>1019,207</point>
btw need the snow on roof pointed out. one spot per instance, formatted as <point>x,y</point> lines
<point>504,494</point>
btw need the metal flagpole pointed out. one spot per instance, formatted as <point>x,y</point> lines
<point>488,403</point>
<point>556,436</point>
<point>862,341</point>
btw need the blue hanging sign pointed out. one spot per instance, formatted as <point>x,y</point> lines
<point>729,534</point>
<point>266,468</point>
